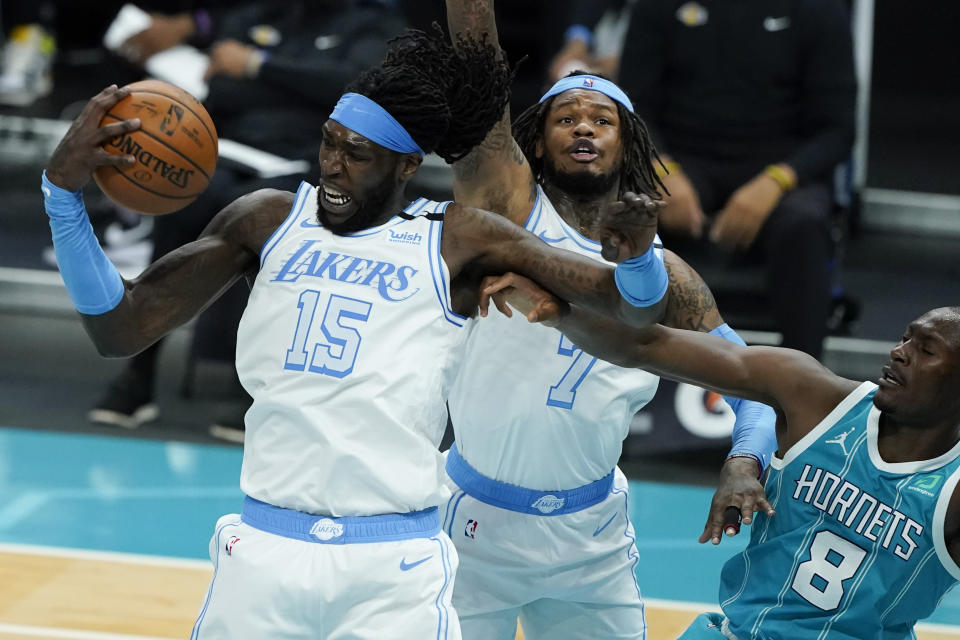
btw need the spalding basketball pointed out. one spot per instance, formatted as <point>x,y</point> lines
<point>175,149</point>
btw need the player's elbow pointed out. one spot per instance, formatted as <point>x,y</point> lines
<point>643,316</point>
<point>111,342</point>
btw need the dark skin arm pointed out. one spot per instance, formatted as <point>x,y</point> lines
<point>171,291</point>
<point>615,343</point>
<point>797,386</point>
<point>482,242</point>
<point>183,283</point>
<point>495,175</point>
<point>691,306</point>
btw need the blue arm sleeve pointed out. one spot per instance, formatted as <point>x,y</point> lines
<point>643,280</point>
<point>92,281</point>
<point>754,432</point>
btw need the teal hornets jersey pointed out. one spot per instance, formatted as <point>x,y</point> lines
<point>856,548</point>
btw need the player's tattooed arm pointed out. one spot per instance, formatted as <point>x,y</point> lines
<point>692,305</point>
<point>791,382</point>
<point>495,175</point>
<point>477,238</point>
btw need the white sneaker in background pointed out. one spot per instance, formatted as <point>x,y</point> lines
<point>26,73</point>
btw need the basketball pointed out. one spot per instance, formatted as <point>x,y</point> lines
<point>175,148</point>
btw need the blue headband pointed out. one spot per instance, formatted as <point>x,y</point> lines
<point>363,115</point>
<point>591,83</point>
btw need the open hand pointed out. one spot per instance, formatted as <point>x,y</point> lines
<point>81,151</point>
<point>626,229</point>
<point>740,489</point>
<point>524,295</point>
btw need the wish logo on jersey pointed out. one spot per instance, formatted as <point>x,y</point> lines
<point>391,282</point>
<point>404,237</point>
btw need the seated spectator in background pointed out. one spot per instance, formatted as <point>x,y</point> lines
<point>36,29</point>
<point>276,68</point>
<point>751,104</point>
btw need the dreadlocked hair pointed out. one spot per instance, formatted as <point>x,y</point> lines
<point>637,172</point>
<point>446,97</point>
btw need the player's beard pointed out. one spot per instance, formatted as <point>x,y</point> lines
<point>581,185</point>
<point>369,210</point>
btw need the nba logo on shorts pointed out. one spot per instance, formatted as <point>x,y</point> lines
<point>229,546</point>
<point>471,529</point>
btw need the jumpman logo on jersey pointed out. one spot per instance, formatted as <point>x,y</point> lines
<point>841,440</point>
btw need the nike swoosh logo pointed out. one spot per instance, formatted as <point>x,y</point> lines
<point>605,525</point>
<point>310,224</point>
<point>543,236</point>
<point>406,567</point>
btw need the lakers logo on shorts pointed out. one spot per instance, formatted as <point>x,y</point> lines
<point>548,504</point>
<point>326,529</point>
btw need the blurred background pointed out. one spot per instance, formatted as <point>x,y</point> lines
<point>141,456</point>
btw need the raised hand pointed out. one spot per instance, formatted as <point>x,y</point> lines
<point>626,229</point>
<point>739,489</point>
<point>524,295</point>
<point>81,151</point>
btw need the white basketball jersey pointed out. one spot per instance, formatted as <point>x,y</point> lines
<point>532,409</point>
<point>346,346</point>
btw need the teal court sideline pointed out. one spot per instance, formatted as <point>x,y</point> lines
<point>162,498</point>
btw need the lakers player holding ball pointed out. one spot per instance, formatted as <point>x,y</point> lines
<point>348,342</point>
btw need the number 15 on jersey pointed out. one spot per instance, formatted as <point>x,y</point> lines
<point>336,353</point>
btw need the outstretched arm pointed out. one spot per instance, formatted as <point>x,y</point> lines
<point>754,439</point>
<point>184,282</point>
<point>495,175</point>
<point>123,317</point>
<point>635,293</point>
<point>800,389</point>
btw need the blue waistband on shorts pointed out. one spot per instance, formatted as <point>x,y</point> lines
<point>346,530</point>
<point>515,498</point>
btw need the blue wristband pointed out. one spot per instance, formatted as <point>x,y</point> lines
<point>94,284</point>
<point>754,431</point>
<point>578,32</point>
<point>643,280</point>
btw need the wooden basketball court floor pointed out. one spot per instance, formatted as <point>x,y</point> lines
<point>105,538</point>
